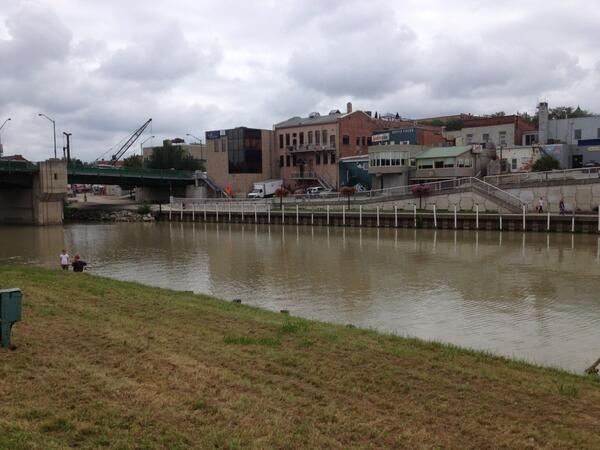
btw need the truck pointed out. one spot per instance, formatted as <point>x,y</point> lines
<point>263,189</point>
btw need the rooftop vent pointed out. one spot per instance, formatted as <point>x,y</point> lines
<point>312,115</point>
<point>334,112</point>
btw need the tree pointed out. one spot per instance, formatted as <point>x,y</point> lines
<point>281,192</point>
<point>567,112</point>
<point>497,114</point>
<point>545,163</point>
<point>133,161</point>
<point>421,190</point>
<point>454,124</point>
<point>173,157</point>
<point>348,191</point>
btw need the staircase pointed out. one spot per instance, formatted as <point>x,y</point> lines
<point>210,183</point>
<point>323,182</point>
<point>510,202</point>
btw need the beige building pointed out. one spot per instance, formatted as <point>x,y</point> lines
<point>238,157</point>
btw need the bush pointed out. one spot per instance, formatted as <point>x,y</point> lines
<point>144,209</point>
<point>545,163</point>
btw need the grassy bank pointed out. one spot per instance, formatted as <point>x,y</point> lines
<point>102,363</point>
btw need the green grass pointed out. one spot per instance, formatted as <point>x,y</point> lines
<point>108,364</point>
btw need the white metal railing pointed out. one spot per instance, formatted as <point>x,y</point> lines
<point>542,177</point>
<point>498,193</point>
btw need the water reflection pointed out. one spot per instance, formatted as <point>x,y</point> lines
<point>532,296</point>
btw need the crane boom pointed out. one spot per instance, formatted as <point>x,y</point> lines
<point>129,142</point>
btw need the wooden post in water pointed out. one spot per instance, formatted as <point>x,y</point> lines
<point>455,221</point>
<point>312,217</point>
<point>242,212</point>
<point>396,216</point>
<point>434,217</point>
<point>181,211</point>
<point>548,221</point>
<point>344,215</point>
<point>216,212</point>
<point>477,216</point>
<point>255,214</point>
<point>360,215</point>
<point>415,214</point>
<point>500,223</point>
<point>327,214</point>
<point>269,214</point>
<point>524,216</point>
<point>598,218</point>
<point>170,208</point>
<point>204,210</point>
<point>193,211</point>
<point>378,216</point>
<point>297,215</point>
<point>282,214</point>
<point>573,223</point>
<point>229,211</point>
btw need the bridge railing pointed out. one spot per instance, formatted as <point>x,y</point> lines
<point>17,166</point>
<point>542,177</point>
<point>131,172</point>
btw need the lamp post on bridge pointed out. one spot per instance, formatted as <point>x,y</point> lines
<point>53,129</point>
<point>142,147</point>
<point>1,149</point>
<point>199,141</point>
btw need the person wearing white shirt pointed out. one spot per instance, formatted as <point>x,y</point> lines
<point>64,260</point>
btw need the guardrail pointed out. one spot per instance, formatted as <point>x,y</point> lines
<point>543,177</point>
<point>131,172</point>
<point>18,166</point>
<point>512,200</point>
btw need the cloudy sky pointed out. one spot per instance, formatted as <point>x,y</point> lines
<point>102,68</point>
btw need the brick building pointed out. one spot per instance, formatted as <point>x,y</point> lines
<point>504,130</point>
<point>308,149</point>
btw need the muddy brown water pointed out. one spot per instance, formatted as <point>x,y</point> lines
<point>533,296</point>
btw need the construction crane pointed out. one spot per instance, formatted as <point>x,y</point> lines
<point>128,143</point>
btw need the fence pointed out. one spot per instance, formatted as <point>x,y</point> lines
<point>544,177</point>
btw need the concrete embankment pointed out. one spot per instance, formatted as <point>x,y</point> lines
<point>103,363</point>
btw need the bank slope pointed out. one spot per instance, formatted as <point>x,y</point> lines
<point>102,363</point>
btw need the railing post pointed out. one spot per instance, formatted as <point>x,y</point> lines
<point>216,212</point>
<point>573,223</point>
<point>204,210</point>
<point>297,215</point>
<point>242,212</point>
<point>477,216</point>
<point>548,221</point>
<point>500,223</point>
<point>396,216</point>
<point>434,217</point>
<point>170,208</point>
<point>229,204</point>
<point>255,214</point>
<point>193,211</point>
<point>524,216</point>
<point>378,216</point>
<point>181,212</point>
<point>455,221</point>
<point>360,215</point>
<point>282,214</point>
<point>415,214</point>
<point>344,215</point>
<point>312,217</point>
<point>269,213</point>
<point>327,214</point>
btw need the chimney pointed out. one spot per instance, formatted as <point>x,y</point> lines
<point>543,123</point>
<point>349,107</point>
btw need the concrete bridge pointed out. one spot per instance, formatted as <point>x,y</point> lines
<point>33,193</point>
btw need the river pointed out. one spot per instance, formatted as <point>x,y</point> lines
<point>531,296</point>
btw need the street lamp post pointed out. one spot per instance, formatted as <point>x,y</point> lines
<point>4,123</point>
<point>53,129</point>
<point>199,141</point>
<point>142,146</point>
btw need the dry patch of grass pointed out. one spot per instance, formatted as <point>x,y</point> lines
<point>108,364</point>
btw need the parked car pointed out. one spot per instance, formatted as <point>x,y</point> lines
<point>316,191</point>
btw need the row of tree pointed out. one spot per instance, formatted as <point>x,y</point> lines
<point>166,157</point>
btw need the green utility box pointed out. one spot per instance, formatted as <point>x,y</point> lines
<point>10,312</point>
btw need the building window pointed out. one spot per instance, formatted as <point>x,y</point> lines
<point>310,137</point>
<point>223,148</point>
<point>577,134</point>
<point>244,149</point>
<point>502,136</point>
<point>513,164</point>
<point>332,141</point>
<point>318,159</point>
<point>486,137</point>
<point>324,158</point>
<point>294,160</point>
<point>281,161</point>
<point>324,133</point>
<point>215,144</point>
<point>438,164</point>
<point>317,137</point>
<point>287,160</point>
<point>332,160</point>
<point>301,136</point>
<point>346,139</point>
<point>469,138</point>
<point>357,140</point>
<point>364,141</point>
<point>281,141</point>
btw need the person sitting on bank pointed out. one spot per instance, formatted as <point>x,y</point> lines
<point>78,264</point>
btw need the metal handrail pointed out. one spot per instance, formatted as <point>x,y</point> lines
<point>561,175</point>
<point>132,172</point>
<point>497,192</point>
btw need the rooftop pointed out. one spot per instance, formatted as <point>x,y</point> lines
<point>444,152</point>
